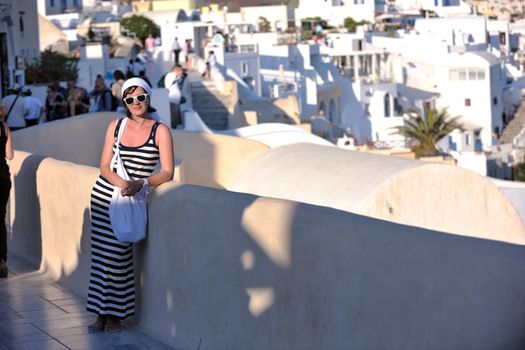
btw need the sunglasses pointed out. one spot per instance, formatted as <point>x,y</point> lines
<point>141,98</point>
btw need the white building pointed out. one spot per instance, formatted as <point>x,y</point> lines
<point>240,63</point>
<point>19,41</point>
<point>55,7</point>
<point>442,8</point>
<point>297,70</point>
<point>335,11</point>
<point>468,79</point>
<point>279,17</point>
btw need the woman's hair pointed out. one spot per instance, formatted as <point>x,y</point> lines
<point>2,112</point>
<point>118,75</point>
<point>129,91</point>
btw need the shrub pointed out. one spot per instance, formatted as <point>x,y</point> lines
<point>51,66</point>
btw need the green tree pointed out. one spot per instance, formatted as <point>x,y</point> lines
<point>51,66</point>
<point>351,24</point>
<point>140,25</point>
<point>519,172</point>
<point>264,24</point>
<point>428,130</point>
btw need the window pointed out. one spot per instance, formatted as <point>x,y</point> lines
<point>467,74</point>
<point>21,22</point>
<point>467,139</point>
<point>397,108</point>
<point>52,3</point>
<point>245,68</point>
<point>502,38</point>
<point>481,74</point>
<point>495,101</point>
<point>467,102</point>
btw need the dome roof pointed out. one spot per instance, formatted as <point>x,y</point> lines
<point>434,196</point>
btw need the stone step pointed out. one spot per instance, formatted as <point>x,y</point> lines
<point>215,120</point>
<point>210,111</point>
<point>514,127</point>
<point>210,99</point>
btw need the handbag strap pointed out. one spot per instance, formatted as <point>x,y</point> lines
<point>116,154</point>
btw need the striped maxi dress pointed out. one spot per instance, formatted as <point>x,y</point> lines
<point>112,280</point>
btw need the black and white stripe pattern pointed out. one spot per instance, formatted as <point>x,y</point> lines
<point>112,281</point>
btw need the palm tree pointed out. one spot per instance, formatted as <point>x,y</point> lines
<point>427,130</point>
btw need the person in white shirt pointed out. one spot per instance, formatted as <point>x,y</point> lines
<point>33,107</point>
<point>174,81</point>
<point>176,48</point>
<point>14,106</point>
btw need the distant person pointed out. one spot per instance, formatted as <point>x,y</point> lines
<point>58,88</point>
<point>142,57</point>
<point>78,102</point>
<point>55,105</point>
<point>150,47</point>
<point>116,91</point>
<point>33,107</point>
<point>71,86</point>
<point>100,96</point>
<point>174,82</point>
<point>211,62</point>
<point>6,152</point>
<point>130,69</point>
<point>319,29</point>
<point>14,105</point>
<point>142,75</point>
<point>176,48</point>
<point>112,276</point>
<point>188,51</point>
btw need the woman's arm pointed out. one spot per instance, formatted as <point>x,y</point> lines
<point>107,155</point>
<point>165,143</point>
<point>72,106</point>
<point>9,153</point>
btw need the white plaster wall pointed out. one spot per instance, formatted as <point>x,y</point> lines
<point>274,14</point>
<point>442,28</point>
<point>477,163</point>
<point>515,192</point>
<point>264,273</point>
<point>236,61</point>
<point>335,14</point>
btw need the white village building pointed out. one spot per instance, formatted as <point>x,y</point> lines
<point>335,11</point>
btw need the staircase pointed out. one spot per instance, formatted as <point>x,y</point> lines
<point>514,127</point>
<point>210,104</point>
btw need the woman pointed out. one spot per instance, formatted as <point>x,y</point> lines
<point>116,91</point>
<point>78,102</point>
<point>144,141</point>
<point>6,152</point>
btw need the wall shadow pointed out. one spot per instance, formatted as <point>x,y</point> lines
<point>25,233</point>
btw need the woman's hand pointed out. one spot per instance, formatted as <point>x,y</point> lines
<point>132,187</point>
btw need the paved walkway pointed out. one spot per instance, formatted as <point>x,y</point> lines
<point>36,313</point>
